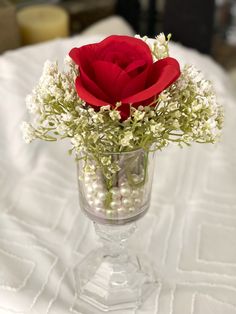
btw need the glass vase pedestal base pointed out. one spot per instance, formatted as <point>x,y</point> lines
<point>111,278</point>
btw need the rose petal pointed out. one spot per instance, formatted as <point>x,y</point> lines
<point>127,45</point>
<point>87,96</point>
<point>136,84</point>
<point>91,86</point>
<point>164,73</point>
<point>135,67</point>
<point>84,55</point>
<point>111,79</point>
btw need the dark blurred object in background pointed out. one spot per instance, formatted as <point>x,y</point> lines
<point>83,13</point>
<point>129,10</point>
<point>190,22</point>
<point>222,17</point>
<point>224,43</point>
<point>152,17</point>
<point>9,33</point>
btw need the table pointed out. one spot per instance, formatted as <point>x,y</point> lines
<point>189,232</point>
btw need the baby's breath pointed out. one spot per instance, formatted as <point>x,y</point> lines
<point>186,112</point>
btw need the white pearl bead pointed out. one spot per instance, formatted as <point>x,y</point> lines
<point>101,195</point>
<point>121,210</point>
<point>123,183</point>
<point>91,203</point>
<point>89,189</point>
<point>140,193</point>
<point>87,179</point>
<point>125,191</point>
<point>98,202</point>
<point>90,196</point>
<point>141,189</point>
<point>135,194</point>
<point>109,212</point>
<point>135,178</point>
<point>99,209</point>
<point>97,185</point>
<point>115,193</point>
<point>122,180</point>
<point>137,202</point>
<point>115,204</point>
<point>131,209</point>
<point>126,202</point>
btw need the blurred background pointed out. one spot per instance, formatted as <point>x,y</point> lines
<point>208,26</point>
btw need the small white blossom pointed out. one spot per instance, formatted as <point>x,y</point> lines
<point>187,138</point>
<point>105,108</point>
<point>128,136</point>
<point>68,61</point>
<point>106,160</point>
<point>173,106</point>
<point>161,38</point>
<point>66,117</point>
<point>177,114</point>
<point>138,115</point>
<point>115,115</point>
<point>176,124</point>
<point>62,129</point>
<point>114,168</point>
<point>50,68</point>
<point>28,132</point>
<point>76,140</point>
<point>156,129</point>
<point>97,118</point>
<point>196,106</point>
<point>31,103</point>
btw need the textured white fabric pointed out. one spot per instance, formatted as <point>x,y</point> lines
<point>189,232</point>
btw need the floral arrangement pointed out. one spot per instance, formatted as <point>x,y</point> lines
<point>119,95</point>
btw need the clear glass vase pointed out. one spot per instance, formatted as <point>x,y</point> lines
<point>112,277</point>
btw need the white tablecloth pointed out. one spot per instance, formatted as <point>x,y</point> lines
<point>189,232</point>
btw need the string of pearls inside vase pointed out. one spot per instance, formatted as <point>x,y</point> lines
<point>125,199</point>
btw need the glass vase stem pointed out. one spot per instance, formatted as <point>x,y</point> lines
<point>114,238</point>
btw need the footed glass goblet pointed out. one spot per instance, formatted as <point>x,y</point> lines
<point>114,197</point>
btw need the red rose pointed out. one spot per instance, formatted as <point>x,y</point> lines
<point>121,69</point>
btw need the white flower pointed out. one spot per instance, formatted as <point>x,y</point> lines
<point>176,124</point>
<point>161,38</point>
<point>31,103</point>
<point>76,141</point>
<point>66,117</point>
<point>115,115</point>
<point>105,108</point>
<point>196,106</point>
<point>28,132</point>
<point>50,68</point>
<point>62,128</point>
<point>173,106</point>
<point>177,114</point>
<point>156,129</point>
<point>138,115</point>
<point>106,160</point>
<point>97,117</point>
<point>187,138</point>
<point>55,91</point>
<point>68,61</point>
<point>125,141</point>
